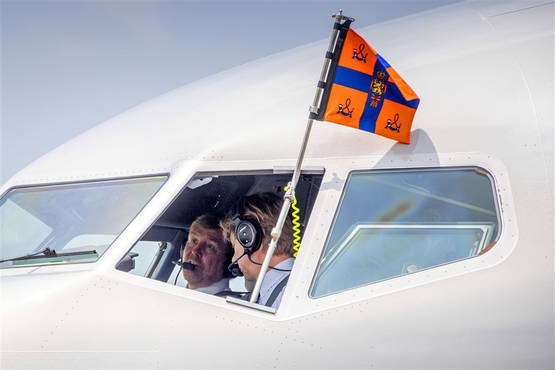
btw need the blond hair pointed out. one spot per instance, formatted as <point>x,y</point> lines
<point>265,209</point>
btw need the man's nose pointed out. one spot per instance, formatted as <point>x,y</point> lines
<point>195,250</point>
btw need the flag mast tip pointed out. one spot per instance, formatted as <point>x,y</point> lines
<point>340,17</point>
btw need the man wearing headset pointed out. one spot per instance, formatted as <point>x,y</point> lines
<point>206,256</point>
<point>249,230</point>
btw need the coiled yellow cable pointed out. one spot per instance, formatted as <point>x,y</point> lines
<point>296,224</point>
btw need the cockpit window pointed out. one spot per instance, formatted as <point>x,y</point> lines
<point>190,244</point>
<point>392,223</point>
<point>70,222</point>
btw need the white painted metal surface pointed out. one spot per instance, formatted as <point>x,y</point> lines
<point>484,72</point>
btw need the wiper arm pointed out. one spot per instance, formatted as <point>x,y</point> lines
<point>47,253</point>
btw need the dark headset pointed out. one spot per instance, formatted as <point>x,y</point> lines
<point>248,233</point>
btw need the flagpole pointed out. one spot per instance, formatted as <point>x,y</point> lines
<point>290,193</point>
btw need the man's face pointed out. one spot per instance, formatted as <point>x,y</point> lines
<point>206,249</point>
<point>249,269</point>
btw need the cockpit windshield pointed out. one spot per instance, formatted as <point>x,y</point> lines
<point>72,222</point>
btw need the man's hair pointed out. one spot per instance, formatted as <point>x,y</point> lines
<point>265,209</point>
<point>212,221</point>
<point>208,221</point>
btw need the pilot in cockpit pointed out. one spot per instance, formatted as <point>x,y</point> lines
<point>206,257</point>
<point>248,227</point>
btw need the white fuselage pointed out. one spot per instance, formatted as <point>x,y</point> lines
<point>484,73</point>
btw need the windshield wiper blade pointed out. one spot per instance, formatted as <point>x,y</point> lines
<point>47,253</point>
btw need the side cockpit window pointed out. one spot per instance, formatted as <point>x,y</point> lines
<point>397,222</point>
<point>66,223</point>
<point>198,245</point>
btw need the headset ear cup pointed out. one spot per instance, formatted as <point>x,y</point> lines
<point>248,233</point>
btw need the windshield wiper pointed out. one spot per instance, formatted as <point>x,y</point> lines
<point>47,253</point>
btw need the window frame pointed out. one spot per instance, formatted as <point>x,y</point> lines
<point>179,184</point>
<point>349,175</point>
<point>165,177</point>
<point>296,301</point>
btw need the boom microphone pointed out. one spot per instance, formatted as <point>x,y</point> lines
<point>234,267</point>
<point>185,265</point>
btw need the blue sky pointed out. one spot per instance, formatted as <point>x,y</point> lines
<point>67,66</point>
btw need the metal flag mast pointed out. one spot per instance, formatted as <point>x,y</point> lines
<point>290,193</point>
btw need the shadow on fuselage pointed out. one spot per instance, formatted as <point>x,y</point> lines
<point>421,143</point>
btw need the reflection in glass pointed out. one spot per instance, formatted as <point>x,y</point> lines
<point>70,218</point>
<point>392,223</point>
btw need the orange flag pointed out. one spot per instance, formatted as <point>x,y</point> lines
<point>363,91</point>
